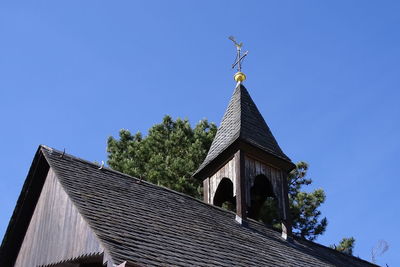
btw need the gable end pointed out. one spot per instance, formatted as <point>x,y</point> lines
<point>23,211</point>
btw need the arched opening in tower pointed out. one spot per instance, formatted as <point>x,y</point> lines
<point>224,195</point>
<point>264,205</point>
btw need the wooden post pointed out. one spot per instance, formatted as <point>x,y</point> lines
<point>206,186</point>
<point>241,208</point>
<point>286,220</point>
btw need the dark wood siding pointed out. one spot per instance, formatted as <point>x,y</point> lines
<point>255,167</point>
<point>226,171</point>
<point>57,230</point>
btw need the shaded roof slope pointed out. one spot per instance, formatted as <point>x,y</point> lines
<point>150,225</point>
<point>242,120</point>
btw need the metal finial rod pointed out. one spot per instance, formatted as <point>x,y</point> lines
<point>239,56</point>
<point>239,61</point>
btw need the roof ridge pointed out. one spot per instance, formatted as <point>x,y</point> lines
<point>135,178</point>
<point>239,84</point>
<point>51,149</point>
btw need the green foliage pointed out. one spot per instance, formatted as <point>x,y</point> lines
<point>167,156</point>
<point>304,207</point>
<point>346,245</point>
<point>269,213</point>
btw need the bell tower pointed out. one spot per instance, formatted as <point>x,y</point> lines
<point>245,164</point>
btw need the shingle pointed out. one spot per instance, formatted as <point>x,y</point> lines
<point>153,226</point>
<point>242,120</point>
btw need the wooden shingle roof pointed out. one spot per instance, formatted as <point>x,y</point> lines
<point>149,225</point>
<point>242,121</point>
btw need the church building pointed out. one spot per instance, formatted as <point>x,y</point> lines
<point>74,213</point>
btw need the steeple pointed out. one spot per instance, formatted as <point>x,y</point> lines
<point>245,165</point>
<point>243,122</point>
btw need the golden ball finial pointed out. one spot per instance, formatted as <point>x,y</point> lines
<point>239,76</point>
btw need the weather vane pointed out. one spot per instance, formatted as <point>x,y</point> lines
<point>239,76</point>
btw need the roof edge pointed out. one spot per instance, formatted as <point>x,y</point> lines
<point>135,178</point>
<point>241,143</point>
<point>197,173</point>
<point>24,209</point>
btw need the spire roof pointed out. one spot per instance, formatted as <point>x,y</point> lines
<point>242,121</point>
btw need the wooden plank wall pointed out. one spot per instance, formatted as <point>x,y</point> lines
<point>275,177</point>
<point>253,168</point>
<point>227,171</point>
<point>57,231</point>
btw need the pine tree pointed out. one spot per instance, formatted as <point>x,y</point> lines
<point>304,207</point>
<point>167,156</point>
<point>346,245</point>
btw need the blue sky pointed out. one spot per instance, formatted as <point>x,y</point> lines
<point>324,74</point>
